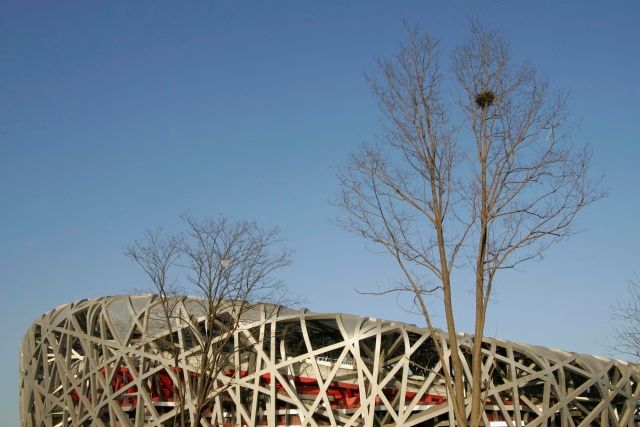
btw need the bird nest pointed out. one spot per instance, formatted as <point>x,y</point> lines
<point>485,99</point>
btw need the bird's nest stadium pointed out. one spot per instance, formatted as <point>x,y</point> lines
<point>103,362</point>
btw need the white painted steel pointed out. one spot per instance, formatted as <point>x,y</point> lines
<point>70,358</point>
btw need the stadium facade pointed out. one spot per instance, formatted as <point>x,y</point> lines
<point>102,362</point>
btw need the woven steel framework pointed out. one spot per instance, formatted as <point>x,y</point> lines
<point>101,362</point>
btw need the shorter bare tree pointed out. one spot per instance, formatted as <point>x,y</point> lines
<point>227,265</point>
<point>626,319</point>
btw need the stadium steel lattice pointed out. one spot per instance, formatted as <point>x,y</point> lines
<point>101,362</point>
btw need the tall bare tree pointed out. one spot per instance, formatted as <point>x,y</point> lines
<point>475,164</point>
<point>229,267</point>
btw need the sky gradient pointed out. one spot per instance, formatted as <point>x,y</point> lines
<point>116,117</point>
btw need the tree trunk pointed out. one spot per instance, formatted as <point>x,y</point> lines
<point>477,404</point>
<point>456,364</point>
<point>196,419</point>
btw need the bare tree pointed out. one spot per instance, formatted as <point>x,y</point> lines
<point>229,267</point>
<point>488,176</point>
<point>626,318</point>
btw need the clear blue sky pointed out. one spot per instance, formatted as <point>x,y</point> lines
<point>118,116</point>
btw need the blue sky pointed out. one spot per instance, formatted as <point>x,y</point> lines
<point>119,116</point>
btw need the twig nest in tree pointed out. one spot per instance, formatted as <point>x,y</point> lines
<point>485,99</point>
